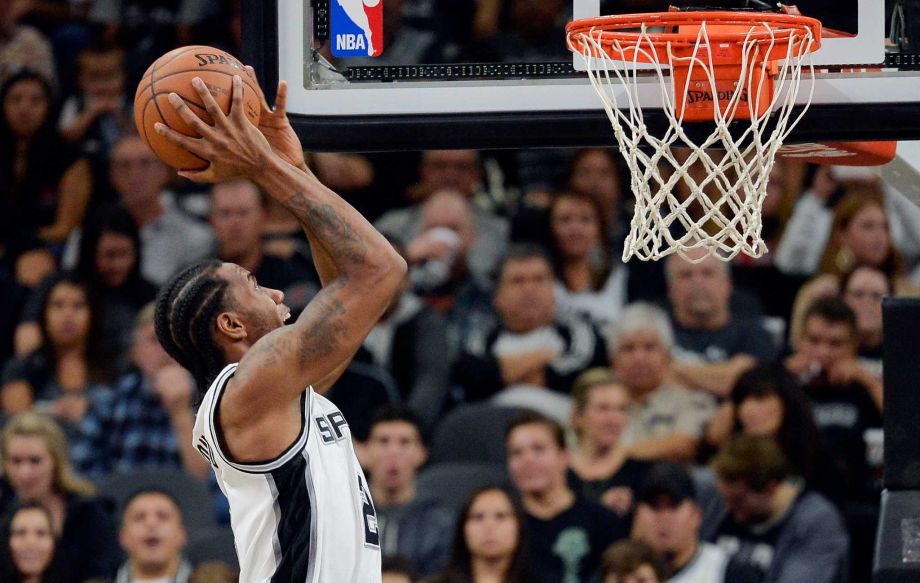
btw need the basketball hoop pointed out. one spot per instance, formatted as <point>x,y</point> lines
<point>724,66</point>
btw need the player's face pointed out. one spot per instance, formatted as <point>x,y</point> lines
<point>867,235</point>
<point>641,361</point>
<point>152,531</point>
<point>761,414</point>
<point>67,315</point>
<point>31,541</point>
<point>25,107</point>
<point>535,461</point>
<point>524,298</point>
<point>262,308</point>
<point>395,453</point>
<point>237,218</point>
<point>115,258</point>
<point>29,467</point>
<point>576,227</point>
<point>667,527</point>
<point>826,343</point>
<point>491,529</point>
<point>605,416</point>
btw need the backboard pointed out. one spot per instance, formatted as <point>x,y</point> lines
<point>451,76</point>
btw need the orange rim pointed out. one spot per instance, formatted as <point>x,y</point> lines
<point>775,29</point>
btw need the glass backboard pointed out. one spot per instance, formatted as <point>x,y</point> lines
<point>496,73</point>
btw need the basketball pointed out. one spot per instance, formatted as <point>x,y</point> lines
<point>173,73</point>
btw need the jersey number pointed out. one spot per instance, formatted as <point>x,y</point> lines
<point>371,534</point>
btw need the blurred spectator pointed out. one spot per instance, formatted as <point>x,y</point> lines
<point>599,468</point>
<point>459,171</point>
<point>832,228</point>
<point>846,397</point>
<point>410,341</point>
<point>532,352</point>
<point>714,345</point>
<point>110,260</point>
<point>668,519</point>
<point>169,238</point>
<point>863,289</point>
<point>770,524</point>
<point>145,420</point>
<point>100,112</point>
<point>238,218</point>
<point>566,534</point>
<point>589,281</point>
<point>489,541</point>
<point>413,527</point>
<point>28,547</point>
<point>147,29</point>
<point>68,366</point>
<point>629,561</point>
<point>767,401</point>
<point>666,420</point>
<point>153,536</point>
<point>398,569</point>
<point>43,182</point>
<point>440,271</point>
<point>35,462</point>
<point>22,47</point>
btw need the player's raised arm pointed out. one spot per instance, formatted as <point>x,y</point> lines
<point>280,364</point>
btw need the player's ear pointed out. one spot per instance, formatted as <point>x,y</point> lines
<point>229,324</point>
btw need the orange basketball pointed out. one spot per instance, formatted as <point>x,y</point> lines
<point>173,73</point>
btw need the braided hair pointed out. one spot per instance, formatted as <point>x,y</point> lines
<point>186,312</point>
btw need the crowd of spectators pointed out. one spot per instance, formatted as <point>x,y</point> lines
<point>686,420</point>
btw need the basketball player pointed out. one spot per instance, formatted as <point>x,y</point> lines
<point>300,508</point>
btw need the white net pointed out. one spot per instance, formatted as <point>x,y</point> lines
<point>697,193</point>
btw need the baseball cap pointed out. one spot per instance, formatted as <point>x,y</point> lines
<point>668,480</point>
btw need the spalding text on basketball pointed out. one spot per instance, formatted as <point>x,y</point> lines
<point>209,59</point>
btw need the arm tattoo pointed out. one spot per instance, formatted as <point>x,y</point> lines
<point>338,238</point>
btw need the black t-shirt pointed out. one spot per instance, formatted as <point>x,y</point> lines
<point>844,414</point>
<point>568,547</point>
<point>739,336</point>
<point>629,475</point>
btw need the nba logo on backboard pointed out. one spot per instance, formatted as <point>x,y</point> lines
<point>357,28</point>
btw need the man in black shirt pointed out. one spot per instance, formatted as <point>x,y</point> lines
<point>780,531</point>
<point>713,344</point>
<point>566,535</point>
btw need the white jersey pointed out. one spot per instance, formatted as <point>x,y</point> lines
<point>305,516</point>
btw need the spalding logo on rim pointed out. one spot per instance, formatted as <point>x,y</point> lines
<point>357,28</point>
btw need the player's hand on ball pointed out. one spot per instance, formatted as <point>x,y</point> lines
<point>274,125</point>
<point>233,146</point>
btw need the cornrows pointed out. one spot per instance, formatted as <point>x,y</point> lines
<point>186,310</point>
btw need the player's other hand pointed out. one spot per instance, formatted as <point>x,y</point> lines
<point>275,126</point>
<point>234,147</point>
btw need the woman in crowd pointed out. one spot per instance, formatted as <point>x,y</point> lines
<point>28,546</point>
<point>599,469</point>
<point>35,461</point>
<point>42,181</point>
<point>110,262</point>
<point>863,289</point>
<point>69,362</point>
<point>588,282</point>
<point>767,401</point>
<point>489,541</point>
